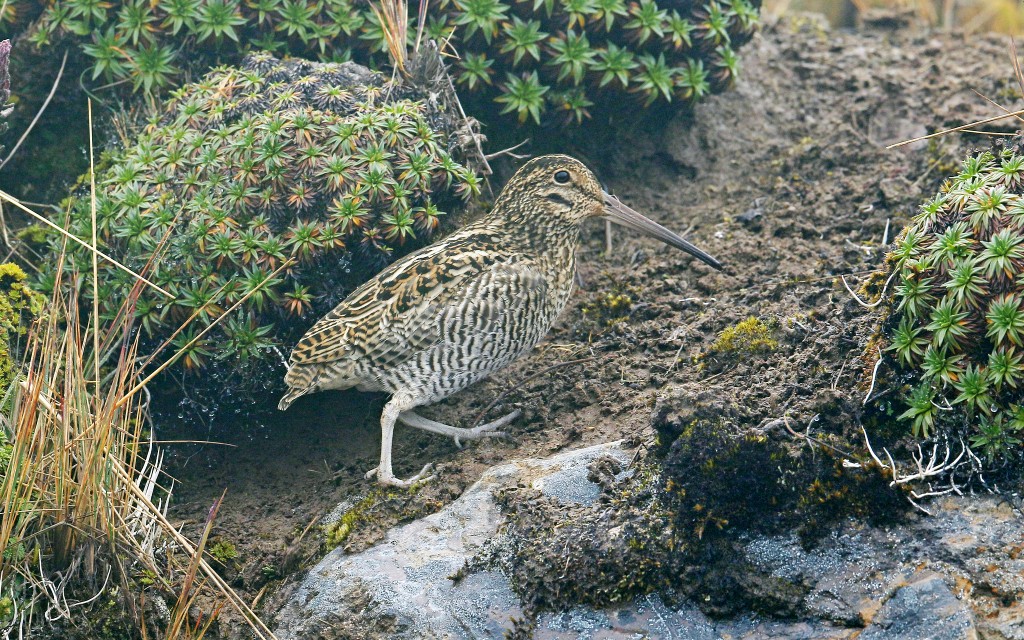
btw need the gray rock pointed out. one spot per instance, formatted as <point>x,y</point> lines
<point>924,608</point>
<point>944,577</point>
<point>403,582</point>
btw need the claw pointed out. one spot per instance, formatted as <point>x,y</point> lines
<point>395,482</point>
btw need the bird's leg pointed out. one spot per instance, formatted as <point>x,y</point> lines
<point>483,431</point>
<point>383,471</point>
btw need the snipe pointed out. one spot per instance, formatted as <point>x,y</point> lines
<point>455,312</point>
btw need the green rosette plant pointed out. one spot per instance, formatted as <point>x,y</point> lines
<point>957,324</point>
<point>551,61</point>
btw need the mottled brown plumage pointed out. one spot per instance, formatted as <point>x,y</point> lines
<point>452,313</point>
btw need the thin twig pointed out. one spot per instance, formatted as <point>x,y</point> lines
<point>962,127</point>
<point>508,152</point>
<point>39,113</point>
<point>881,296</point>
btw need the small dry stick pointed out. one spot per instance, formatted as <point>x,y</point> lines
<point>508,152</point>
<point>39,113</point>
<point>9,198</point>
<point>866,305</point>
<point>963,127</point>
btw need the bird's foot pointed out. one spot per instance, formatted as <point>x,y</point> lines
<point>459,434</point>
<point>488,430</point>
<point>390,480</point>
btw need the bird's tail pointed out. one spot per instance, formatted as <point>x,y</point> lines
<point>300,380</point>
<point>288,398</point>
<point>310,378</point>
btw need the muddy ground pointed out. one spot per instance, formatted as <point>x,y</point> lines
<point>786,179</point>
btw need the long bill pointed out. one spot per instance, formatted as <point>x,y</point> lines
<point>620,213</point>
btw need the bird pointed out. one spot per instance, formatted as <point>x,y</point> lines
<point>454,312</point>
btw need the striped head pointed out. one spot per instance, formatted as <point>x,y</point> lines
<point>556,193</point>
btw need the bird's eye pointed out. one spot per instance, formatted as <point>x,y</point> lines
<point>562,177</point>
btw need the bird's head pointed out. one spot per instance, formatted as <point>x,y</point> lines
<point>565,192</point>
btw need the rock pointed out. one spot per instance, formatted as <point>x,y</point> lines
<point>954,575</point>
<point>405,580</point>
<point>924,608</point>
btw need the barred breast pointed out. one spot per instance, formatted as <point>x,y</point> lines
<point>434,323</point>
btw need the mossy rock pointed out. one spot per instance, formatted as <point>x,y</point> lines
<point>559,555</point>
<point>723,476</point>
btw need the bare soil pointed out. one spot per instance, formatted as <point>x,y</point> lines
<point>785,179</point>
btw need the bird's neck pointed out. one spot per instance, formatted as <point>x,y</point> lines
<point>542,237</point>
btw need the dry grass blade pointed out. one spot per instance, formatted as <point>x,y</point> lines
<point>95,258</point>
<point>187,595</point>
<point>963,127</point>
<point>1017,71</point>
<point>64,232</point>
<point>421,23</point>
<point>174,358</point>
<point>994,104</point>
<point>394,21</point>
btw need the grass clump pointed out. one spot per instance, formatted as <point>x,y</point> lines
<point>86,550</point>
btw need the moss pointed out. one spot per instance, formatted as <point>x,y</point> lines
<point>712,465</point>
<point>751,336</point>
<point>223,551</point>
<point>34,235</point>
<point>382,507</point>
<point>558,555</point>
<point>19,305</point>
<point>608,308</point>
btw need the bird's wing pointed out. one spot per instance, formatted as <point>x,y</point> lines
<point>419,301</point>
